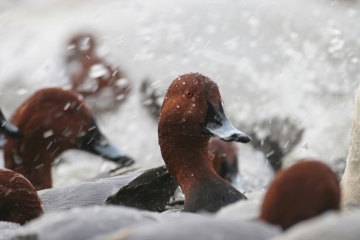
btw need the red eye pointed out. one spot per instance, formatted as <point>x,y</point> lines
<point>189,94</point>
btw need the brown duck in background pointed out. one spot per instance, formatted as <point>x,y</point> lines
<point>300,192</point>
<point>104,87</point>
<point>52,121</point>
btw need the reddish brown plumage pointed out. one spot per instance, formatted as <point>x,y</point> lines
<point>81,59</point>
<point>179,121</point>
<point>223,151</point>
<point>33,155</point>
<point>19,201</point>
<point>302,191</point>
<point>184,144</point>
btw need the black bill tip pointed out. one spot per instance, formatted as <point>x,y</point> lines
<point>8,129</point>
<point>216,124</point>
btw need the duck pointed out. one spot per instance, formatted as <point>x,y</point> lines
<point>223,154</point>
<point>104,87</point>
<point>52,121</point>
<point>304,190</point>
<point>19,202</point>
<point>192,112</point>
<point>351,178</point>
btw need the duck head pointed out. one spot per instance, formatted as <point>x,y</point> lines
<point>19,201</point>
<point>304,190</point>
<point>52,121</point>
<point>191,114</point>
<point>193,107</point>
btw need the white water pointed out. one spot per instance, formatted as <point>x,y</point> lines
<point>286,58</point>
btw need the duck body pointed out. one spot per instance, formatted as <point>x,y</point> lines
<point>150,191</point>
<point>52,121</point>
<point>225,159</point>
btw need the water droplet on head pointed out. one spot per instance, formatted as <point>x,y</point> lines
<point>48,133</point>
<point>177,106</point>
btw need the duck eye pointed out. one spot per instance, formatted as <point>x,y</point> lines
<point>189,94</point>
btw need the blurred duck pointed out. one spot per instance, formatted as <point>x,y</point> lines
<point>351,178</point>
<point>304,190</point>
<point>52,121</point>
<point>224,158</point>
<point>103,86</point>
<point>191,114</point>
<point>19,202</point>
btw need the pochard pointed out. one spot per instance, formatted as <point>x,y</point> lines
<point>191,114</point>
<point>52,121</point>
<point>103,86</point>
<point>223,154</point>
<point>351,178</point>
<point>302,191</point>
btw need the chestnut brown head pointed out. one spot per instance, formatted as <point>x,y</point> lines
<point>193,107</point>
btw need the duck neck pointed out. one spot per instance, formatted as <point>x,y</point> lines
<point>188,162</point>
<point>32,159</point>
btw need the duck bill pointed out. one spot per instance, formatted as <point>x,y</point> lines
<point>8,129</point>
<point>216,124</point>
<point>95,142</point>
